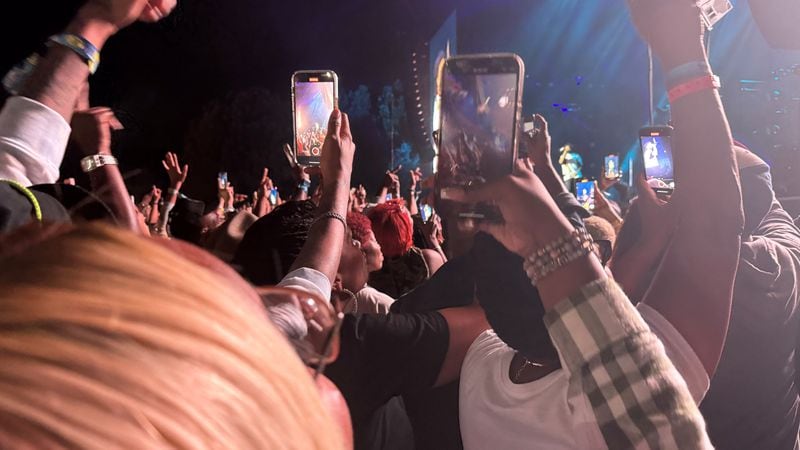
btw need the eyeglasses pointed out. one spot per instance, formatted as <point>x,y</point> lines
<point>320,347</point>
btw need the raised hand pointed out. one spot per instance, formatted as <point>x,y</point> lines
<point>391,183</point>
<point>416,176</point>
<point>155,195</point>
<point>531,219</point>
<point>338,149</point>
<point>91,130</point>
<point>265,185</point>
<point>121,13</point>
<point>537,143</point>
<point>177,174</point>
<point>673,29</point>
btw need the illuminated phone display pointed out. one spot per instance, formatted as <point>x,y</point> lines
<point>584,192</point>
<point>315,97</point>
<point>480,111</point>
<point>656,145</point>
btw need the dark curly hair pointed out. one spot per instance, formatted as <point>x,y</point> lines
<point>272,244</point>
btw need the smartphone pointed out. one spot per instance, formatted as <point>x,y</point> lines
<point>611,167</point>
<point>273,196</point>
<point>584,192</point>
<point>425,213</point>
<point>480,111</point>
<point>222,180</point>
<point>315,94</point>
<point>656,146</point>
<point>712,11</point>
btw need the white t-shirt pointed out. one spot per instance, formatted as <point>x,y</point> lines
<point>495,413</point>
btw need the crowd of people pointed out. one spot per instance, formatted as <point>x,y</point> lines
<point>334,319</point>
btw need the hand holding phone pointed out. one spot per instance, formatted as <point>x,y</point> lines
<point>480,110</point>
<point>656,146</point>
<point>611,167</point>
<point>315,94</point>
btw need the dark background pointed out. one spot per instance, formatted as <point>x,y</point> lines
<point>211,81</point>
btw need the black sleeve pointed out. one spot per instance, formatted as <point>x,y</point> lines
<point>385,356</point>
<point>451,286</point>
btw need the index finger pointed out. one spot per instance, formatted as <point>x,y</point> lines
<point>540,122</point>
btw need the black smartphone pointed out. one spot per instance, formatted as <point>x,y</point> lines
<point>656,145</point>
<point>480,111</point>
<point>315,94</point>
<point>584,192</point>
<point>611,167</point>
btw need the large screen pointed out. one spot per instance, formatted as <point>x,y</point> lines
<point>314,102</point>
<point>478,120</point>
<point>657,155</point>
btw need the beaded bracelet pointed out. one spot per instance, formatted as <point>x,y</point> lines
<point>558,254</point>
<point>331,215</point>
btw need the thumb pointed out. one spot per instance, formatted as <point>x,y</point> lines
<point>646,193</point>
<point>335,123</point>
<point>540,123</point>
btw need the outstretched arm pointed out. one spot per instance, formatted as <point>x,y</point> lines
<point>322,251</point>
<point>92,132</point>
<point>694,286</point>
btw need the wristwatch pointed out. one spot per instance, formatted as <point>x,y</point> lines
<point>93,162</point>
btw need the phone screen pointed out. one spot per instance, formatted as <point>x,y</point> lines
<point>657,156</point>
<point>584,191</point>
<point>314,103</point>
<point>273,196</point>
<point>479,119</point>
<point>425,213</point>
<point>612,167</point>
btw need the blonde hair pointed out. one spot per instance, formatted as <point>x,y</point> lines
<point>108,340</point>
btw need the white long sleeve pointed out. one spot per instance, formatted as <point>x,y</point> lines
<point>33,139</point>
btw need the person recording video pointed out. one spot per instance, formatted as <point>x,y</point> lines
<point>571,164</point>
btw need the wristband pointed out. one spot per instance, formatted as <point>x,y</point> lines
<point>173,191</point>
<point>93,162</point>
<point>558,254</point>
<point>686,72</point>
<point>331,215</point>
<point>693,86</point>
<point>80,45</point>
<point>304,185</point>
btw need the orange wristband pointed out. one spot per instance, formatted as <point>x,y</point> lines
<point>693,86</point>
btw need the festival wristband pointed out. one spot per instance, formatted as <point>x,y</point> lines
<point>693,86</point>
<point>80,45</point>
<point>686,72</point>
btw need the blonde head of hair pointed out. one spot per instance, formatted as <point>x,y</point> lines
<point>108,340</point>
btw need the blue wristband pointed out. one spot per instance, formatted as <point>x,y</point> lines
<point>80,45</point>
<point>304,185</point>
<point>686,72</point>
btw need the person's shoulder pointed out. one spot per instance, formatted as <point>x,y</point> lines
<point>371,300</point>
<point>487,346</point>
